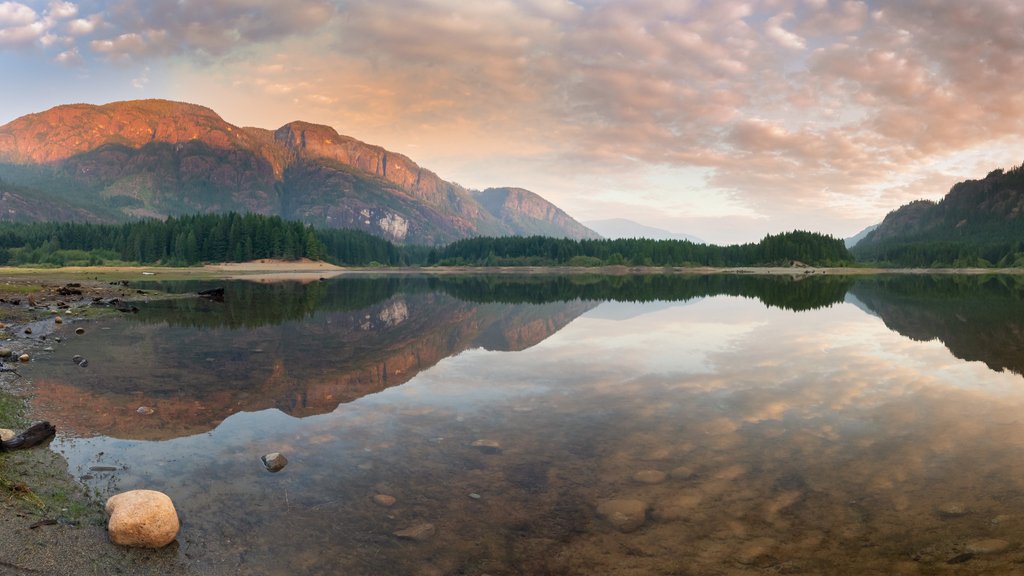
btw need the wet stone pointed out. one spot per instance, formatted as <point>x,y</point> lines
<point>385,500</point>
<point>6,352</point>
<point>952,510</point>
<point>144,410</point>
<point>83,363</point>
<point>24,358</point>
<point>681,473</point>
<point>418,533</point>
<point>624,514</point>
<point>275,461</point>
<point>487,446</point>
<point>650,477</point>
<point>987,546</point>
<point>79,331</point>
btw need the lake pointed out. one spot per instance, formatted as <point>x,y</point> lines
<point>728,424</point>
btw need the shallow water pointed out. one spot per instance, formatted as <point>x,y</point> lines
<point>765,426</point>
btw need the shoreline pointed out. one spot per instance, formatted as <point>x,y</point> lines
<point>308,270</point>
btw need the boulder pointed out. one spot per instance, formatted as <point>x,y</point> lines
<point>142,519</point>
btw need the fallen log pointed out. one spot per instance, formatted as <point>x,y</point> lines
<point>35,434</point>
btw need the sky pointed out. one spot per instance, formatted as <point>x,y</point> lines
<point>727,120</point>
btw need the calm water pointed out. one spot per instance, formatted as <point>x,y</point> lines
<point>761,425</point>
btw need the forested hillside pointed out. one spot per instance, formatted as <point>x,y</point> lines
<point>978,223</point>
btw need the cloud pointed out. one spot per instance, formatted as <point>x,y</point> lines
<point>209,27</point>
<point>783,106</point>
<point>775,31</point>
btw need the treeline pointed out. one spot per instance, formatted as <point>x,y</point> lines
<point>774,250</point>
<point>232,237</point>
<point>188,240</point>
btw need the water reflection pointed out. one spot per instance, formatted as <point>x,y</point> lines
<point>755,439</point>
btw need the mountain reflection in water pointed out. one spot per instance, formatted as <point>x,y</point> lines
<point>768,426</point>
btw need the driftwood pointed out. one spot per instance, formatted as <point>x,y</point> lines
<point>35,434</point>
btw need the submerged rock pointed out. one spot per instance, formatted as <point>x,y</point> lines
<point>275,461</point>
<point>650,477</point>
<point>487,446</point>
<point>142,518</point>
<point>419,532</point>
<point>144,410</point>
<point>6,352</point>
<point>952,510</point>
<point>385,500</point>
<point>625,515</point>
<point>79,331</point>
<point>987,546</point>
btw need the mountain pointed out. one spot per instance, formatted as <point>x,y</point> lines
<point>623,228</point>
<point>856,238</point>
<point>977,222</point>
<point>155,158</point>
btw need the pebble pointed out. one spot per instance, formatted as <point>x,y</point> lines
<point>6,352</point>
<point>987,546</point>
<point>475,496</point>
<point>79,330</point>
<point>650,477</point>
<point>385,500</point>
<point>144,410</point>
<point>28,330</point>
<point>48,349</point>
<point>6,434</point>
<point>624,514</point>
<point>58,320</point>
<point>952,509</point>
<point>83,363</point>
<point>76,358</point>
<point>23,358</point>
<point>419,532</point>
<point>275,461</point>
<point>487,446</point>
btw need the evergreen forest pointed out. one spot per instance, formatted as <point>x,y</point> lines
<point>233,237</point>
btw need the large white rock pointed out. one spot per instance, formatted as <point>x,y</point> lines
<point>142,518</point>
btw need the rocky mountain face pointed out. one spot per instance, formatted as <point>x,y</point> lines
<point>158,158</point>
<point>973,211</point>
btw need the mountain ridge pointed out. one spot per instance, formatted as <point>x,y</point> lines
<point>156,158</point>
<point>978,222</point>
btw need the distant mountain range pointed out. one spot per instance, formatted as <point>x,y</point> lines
<point>977,220</point>
<point>856,238</point>
<point>154,158</point>
<point>622,228</point>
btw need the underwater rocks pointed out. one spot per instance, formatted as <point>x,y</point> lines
<point>418,533</point>
<point>142,519</point>
<point>624,514</point>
